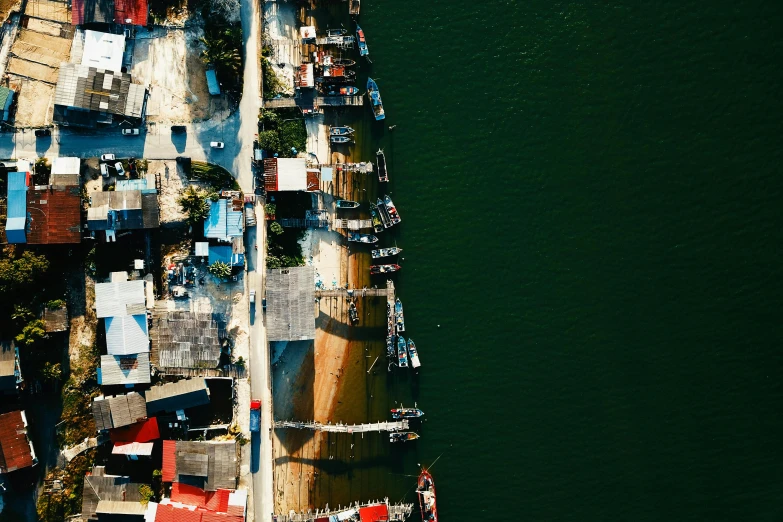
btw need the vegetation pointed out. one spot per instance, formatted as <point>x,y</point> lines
<point>283,249</point>
<point>17,274</point>
<point>32,334</point>
<point>270,209</point>
<point>218,177</point>
<point>55,304</point>
<point>42,171</point>
<point>276,228</point>
<point>51,371</point>
<point>77,394</point>
<point>240,362</point>
<point>61,505</point>
<point>193,202</point>
<point>146,493</point>
<point>220,270</point>
<point>284,133</point>
<point>220,53</point>
<point>272,84</point>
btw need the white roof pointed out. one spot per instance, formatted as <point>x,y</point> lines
<point>103,50</point>
<point>291,174</point>
<point>119,298</point>
<point>307,32</point>
<point>66,166</point>
<point>133,448</point>
<point>238,498</point>
<point>202,248</point>
<point>127,335</point>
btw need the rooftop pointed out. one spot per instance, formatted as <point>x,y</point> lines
<point>65,172</point>
<point>16,211</point>
<point>287,174</point>
<point>103,50</point>
<point>185,339</point>
<point>16,451</point>
<point>109,11</point>
<point>223,222</point>
<point>10,371</point>
<point>208,465</point>
<point>55,320</point>
<point>181,395</point>
<point>145,431</point>
<point>55,215</point>
<point>123,210</point>
<point>117,411</point>
<point>290,294</point>
<point>125,369</point>
<point>101,487</point>
<point>120,298</point>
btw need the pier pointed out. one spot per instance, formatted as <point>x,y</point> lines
<point>400,425</point>
<point>339,101</point>
<point>343,42</point>
<point>279,103</point>
<point>360,292</point>
<point>353,224</point>
<point>396,513</point>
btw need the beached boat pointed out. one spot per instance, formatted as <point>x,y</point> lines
<point>363,49</point>
<point>375,99</point>
<point>342,130</point>
<point>383,269</point>
<point>402,352</point>
<point>341,90</point>
<point>380,160</point>
<point>353,313</point>
<point>406,413</point>
<point>336,32</point>
<point>344,62</point>
<point>361,238</point>
<point>384,214</point>
<point>402,436</point>
<point>377,224</point>
<point>340,139</point>
<point>399,316</point>
<point>392,210</point>
<point>344,203</point>
<point>414,353</point>
<point>426,491</point>
<point>385,252</point>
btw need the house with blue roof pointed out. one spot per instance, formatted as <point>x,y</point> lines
<point>224,222</point>
<point>226,254</point>
<point>16,222</point>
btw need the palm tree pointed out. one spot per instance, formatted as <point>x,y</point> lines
<point>193,202</point>
<point>219,53</point>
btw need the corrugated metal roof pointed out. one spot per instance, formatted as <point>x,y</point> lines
<point>133,448</point>
<point>101,410</point>
<point>119,410</point>
<point>376,513</point>
<point>16,451</point>
<point>135,10</point>
<point>103,50</point>
<point>223,222</point>
<point>169,468</point>
<point>225,254</point>
<point>112,299</point>
<point>144,431</point>
<point>222,466</point>
<point>181,395</point>
<point>185,339</point>
<point>212,82</point>
<point>127,334</point>
<point>291,174</point>
<point>55,215</point>
<point>56,320</point>
<point>217,461</point>
<point>16,211</point>
<point>121,508</point>
<point>99,486</point>
<point>66,165</point>
<point>125,369</point>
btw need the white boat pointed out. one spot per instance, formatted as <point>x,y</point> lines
<point>414,354</point>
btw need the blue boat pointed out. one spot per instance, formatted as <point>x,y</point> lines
<point>398,314</point>
<point>375,99</point>
<point>363,49</point>
<point>402,352</point>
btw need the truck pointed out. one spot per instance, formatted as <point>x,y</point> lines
<point>250,210</point>
<point>255,415</point>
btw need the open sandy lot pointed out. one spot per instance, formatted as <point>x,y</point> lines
<point>36,103</point>
<point>56,10</point>
<point>172,181</point>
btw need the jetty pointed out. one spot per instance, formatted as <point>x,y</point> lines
<point>339,101</point>
<point>360,292</point>
<point>353,224</point>
<point>394,512</point>
<point>343,42</point>
<point>364,167</point>
<point>378,427</point>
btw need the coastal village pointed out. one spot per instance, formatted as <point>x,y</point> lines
<point>200,314</point>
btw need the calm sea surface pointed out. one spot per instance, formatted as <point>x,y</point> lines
<point>592,225</point>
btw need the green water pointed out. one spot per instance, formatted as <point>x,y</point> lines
<point>591,203</point>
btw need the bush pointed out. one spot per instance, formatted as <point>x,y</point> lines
<point>55,304</point>
<point>276,228</point>
<point>218,177</point>
<point>146,494</point>
<point>193,202</point>
<point>31,334</point>
<point>220,270</point>
<point>269,141</point>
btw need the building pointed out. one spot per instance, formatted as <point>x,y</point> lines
<point>16,213</point>
<point>126,370</point>
<point>120,511</point>
<point>55,319</point>
<point>290,174</point>
<point>212,82</point>
<point>127,12</point>
<point>54,215</point>
<point>16,450</point>
<point>118,411</point>
<point>89,97</point>
<point>10,370</point>
<point>226,254</point>
<point>66,172</point>
<point>122,306</point>
<point>103,50</point>
<point>290,294</point>
<point>113,211</point>
<point>6,100</point>
<point>186,340</point>
<point>225,220</point>
<point>177,396</point>
<point>135,440</point>
<point>208,465</point>
<point>192,503</point>
<point>100,487</point>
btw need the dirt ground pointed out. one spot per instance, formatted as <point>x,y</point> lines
<point>172,181</point>
<point>45,27</point>
<point>6,6</point>
<point>181,94</point>
<point>56,10</point>
<point>36,103</point>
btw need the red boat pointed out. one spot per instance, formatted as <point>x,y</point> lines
<point>383,269</point>
<point>426,492</point>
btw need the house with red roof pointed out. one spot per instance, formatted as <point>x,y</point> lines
<point>208,465</point>
<point>135,441</point>
<point>127,12</point>
<point>16,450</point>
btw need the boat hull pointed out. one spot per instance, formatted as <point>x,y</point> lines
<point>426,491</point>
<point>414,354</point>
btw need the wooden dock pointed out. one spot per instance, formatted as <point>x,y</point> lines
<point>388,292</point>
<point>339,101</point>
<point>353,224</point>
<point>279,103</point>
<point>397,513</point>
<point>378,427</point>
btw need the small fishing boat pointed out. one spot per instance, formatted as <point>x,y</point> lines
<point>353,313</point>
<point>341,90</point>
<point>391,353</point>
<point>398,314</point>
<point>414,353</point>
<point>377,224</point>
<point>336,71</point>
<point>385,252</point>
<point>384,214</point>
<point>361,238</point>
<point>392,210</point>
<point>383,269</point>
<point>344,62</point>
<point>402,436</point>
<point>380,160</point>
<point>402,352</point>
<point>345,203</point>
<point>426,491</point>
<point>363,49</point>
<point>340,139</point>
<point>375,99</point>
<point>406,413</point>
<point>342,130</point>
<point>336,32</point>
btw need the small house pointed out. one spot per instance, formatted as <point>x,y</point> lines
<point>209,465</point>
<point>10,370</point>
<point>16,449</point>
<point>100,487</point>
<point>118,410</point>
<point>177,396</point>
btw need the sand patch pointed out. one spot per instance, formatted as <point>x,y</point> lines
<point>36,103</point>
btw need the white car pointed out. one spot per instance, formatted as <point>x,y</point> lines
<point>120,170</point>
<point>217,144</point>
<point>252,297</point>
<point>130,132</point>
<point>108,157</point>
<point>104,170</point>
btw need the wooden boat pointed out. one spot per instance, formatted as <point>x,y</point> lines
<point>341,131</point>
<point>363,49</point>
<point>392,210</point>
<point>385,252</point>
<point>345,62</point>
<point>402,436</point>
<point>426,491</point>
<point>402,352</point>
<point>389,328</point>
<point>380,160</point>
<point>406,413</point>
<point>336,71</point>
<point>336,32</point>
<point>391,353</point>
<point>340,139</point>
<point>414,353</point>
<point>341,90</point>
<point>384,214</point>
<point>383,269</point>
<point>399,316</point>
<point>353,313</point>
<point>375,99</point>
<point>362,238</point>
<point>345,203</point>
<point>377,225</point>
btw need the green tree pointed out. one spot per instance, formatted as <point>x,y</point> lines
<point>221,54</point>
<point>16,273</point>
<point>269,140</point>
<point>276,228</point>
<point>21,314</point>
<point>146,494</point>
<point>220,270</point>
<point>273,262</point>
<point>51,371</point>
<point>31,334</point>
<point>193,202</point>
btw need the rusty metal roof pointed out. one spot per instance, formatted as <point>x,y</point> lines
<point>54,215</point>
<point>16,451</point>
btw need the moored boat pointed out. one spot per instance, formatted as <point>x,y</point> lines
<point>375,99</point>
<point>362,238</point>
<point>384,214</point>
<point>380,160</point>
<point>383,269</point>
<point>402,436</point>
<point>336,32</point>
<point>385,252</point>
<point>402,352</point>
<point>426,491</point>
<point>392,210</point>
<point>391,353</point>
<point>345,203</point>
<point>342,90</point>
<point>377,224</point>
<point>340,139</point>
<point>363,49</point>
<point>353,313</point>
<point>399,316</point>
<point>342,130</point>
<point>406,413</point>
<point>414,353</point>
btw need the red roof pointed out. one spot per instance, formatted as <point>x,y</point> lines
<point>218,500</point>
<point>220,517</point>
<point>55,215</point>
<point>186,494</point>
<point>99,10</point>
<point>140,432</point>
<point>15,452</point>
<point>136,10</point>
<point>168,513</point>
<point>375,513</point>
<point>169,469</point>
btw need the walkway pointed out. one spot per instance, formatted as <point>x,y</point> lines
<point>401,425</point>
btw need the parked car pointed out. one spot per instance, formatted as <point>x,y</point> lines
<point>120,170</point>
<point>178,129</point>
<point>108,157</point>
<point>42,133</point>
<point>217,144</point>
<point>263,304</point>
<point>252,297</point>
<point>130,132</point>
<point>104,170</point>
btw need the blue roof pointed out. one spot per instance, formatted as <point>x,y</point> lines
<point>212,83</point>
<point>131,184</point>
<point>225,254</point>
<point>17,207</point>
<point>223,223</point>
